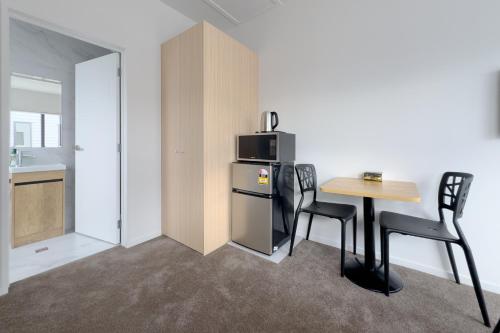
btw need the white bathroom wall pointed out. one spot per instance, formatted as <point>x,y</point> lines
<point>138,28</point>
<point>411,88</point>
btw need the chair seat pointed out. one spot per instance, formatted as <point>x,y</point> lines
<point>332,210</point>
<point>415,226</point>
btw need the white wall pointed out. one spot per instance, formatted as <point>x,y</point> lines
<point>4,153</point>
<point>137,27</point>
<point>407,87</point>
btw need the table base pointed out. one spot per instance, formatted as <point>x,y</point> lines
<point>372,280</point>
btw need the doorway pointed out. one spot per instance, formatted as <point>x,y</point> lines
<point>65,149</point>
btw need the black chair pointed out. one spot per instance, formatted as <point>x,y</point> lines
<point>453,192</point>
<point>306,174</point>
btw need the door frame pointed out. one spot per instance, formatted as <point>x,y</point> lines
<point>5,226</point>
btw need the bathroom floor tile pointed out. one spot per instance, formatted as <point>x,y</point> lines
<point>25,261</point>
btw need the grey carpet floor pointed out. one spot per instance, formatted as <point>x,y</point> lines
<point>162,286</point>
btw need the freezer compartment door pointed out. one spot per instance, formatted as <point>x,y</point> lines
<point>252,224</point>
<point>256,178</point>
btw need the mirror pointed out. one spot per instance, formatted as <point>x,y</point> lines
<point>35,112</point>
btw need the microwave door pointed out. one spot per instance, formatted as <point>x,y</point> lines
<point>253,178</point>
<point>261,147</point>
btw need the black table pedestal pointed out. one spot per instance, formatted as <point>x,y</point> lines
<point>372,280</point>
<point>366,273</point>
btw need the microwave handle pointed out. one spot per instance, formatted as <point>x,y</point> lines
<point>274,115</point>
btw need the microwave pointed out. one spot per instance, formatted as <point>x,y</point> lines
<point>266,147</point>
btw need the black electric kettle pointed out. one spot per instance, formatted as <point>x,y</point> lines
<point>269,121</point>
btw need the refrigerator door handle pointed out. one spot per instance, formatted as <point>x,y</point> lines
<point>254,194</point>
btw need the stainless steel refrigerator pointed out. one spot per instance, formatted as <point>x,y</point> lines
<point>262,204</point>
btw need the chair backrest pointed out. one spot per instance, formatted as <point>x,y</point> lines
<point>306,174</point>
<point>453,192</point>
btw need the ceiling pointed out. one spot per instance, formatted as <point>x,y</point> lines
<point>225,14</point>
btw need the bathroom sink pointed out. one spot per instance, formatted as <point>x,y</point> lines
<point>38,168</point>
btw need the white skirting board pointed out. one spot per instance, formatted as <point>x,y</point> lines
<point>486,285</point>
<point>276,257</point>
<point>141,239</point>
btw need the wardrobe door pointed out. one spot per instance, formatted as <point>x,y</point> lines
<point>231,98</point>
<point>209,94</point>
<point>182,135</point>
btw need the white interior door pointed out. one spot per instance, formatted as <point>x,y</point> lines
<point>97,157</point>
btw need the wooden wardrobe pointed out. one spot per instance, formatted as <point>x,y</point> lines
<point>209,95</point>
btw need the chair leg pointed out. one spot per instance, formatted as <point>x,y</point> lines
<point>382,250</point>
<point>477,284</point>
<point>385,237</point>
<point>342,249</point>
<point>309,226</point>
<point>497,327</point>
<point>292,239</point>
<point>354,231</point>
<point>452,261</point>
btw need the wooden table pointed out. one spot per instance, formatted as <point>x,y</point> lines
<point>366,273</point>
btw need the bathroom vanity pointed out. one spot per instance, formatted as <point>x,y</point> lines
<point>37,197</point>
